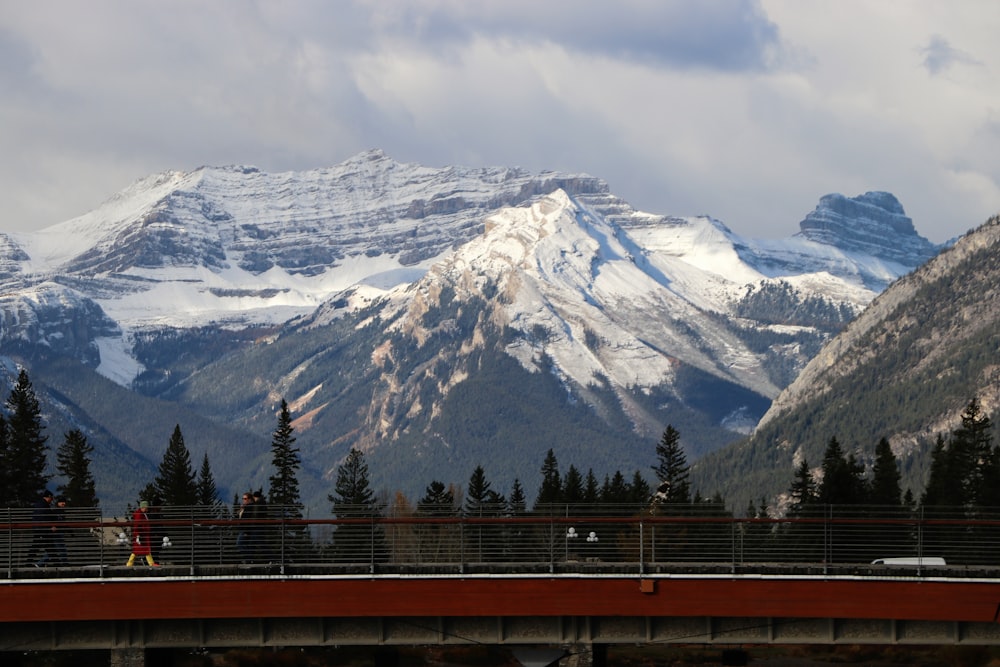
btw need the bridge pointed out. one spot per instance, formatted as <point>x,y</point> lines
<point>568,580</point>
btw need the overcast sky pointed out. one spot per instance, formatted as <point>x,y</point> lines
<point>748,111</point>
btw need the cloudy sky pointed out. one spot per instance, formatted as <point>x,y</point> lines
<point>745,110</point>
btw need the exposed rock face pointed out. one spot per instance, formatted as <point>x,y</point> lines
<point>10,257</point>
<point>873,223</point>
<point>56,318</point>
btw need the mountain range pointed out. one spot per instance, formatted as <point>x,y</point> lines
<point>437,318</point>
<point>903,370</point>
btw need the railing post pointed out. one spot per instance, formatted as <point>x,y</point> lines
<point>732,539</point>
<point>100,542</point>
<point>193,537</point>
<point>281,547</point>
<point>920,541</point>
<point>642,548</point>
<point>371,544</point>
<point>552,543</point>
<point>652,543</point>
<point>10,545</point>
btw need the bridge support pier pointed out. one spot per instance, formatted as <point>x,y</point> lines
<point>585,655</point>
<point>128,657</point>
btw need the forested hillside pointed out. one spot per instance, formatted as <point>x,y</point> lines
<point>902,370</point>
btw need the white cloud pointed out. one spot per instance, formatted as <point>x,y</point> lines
<point>748,111</point>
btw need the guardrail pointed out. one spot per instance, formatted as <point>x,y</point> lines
<point>558,539</point>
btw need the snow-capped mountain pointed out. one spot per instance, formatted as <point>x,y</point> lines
<point>552,268</point>
<point>903,370</point>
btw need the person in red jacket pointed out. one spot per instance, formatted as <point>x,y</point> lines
<point>141,536</point>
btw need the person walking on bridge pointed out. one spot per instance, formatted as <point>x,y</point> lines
<point>43,531</point>
<point>141,536</point>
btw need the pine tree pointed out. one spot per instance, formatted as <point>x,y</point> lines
<point>208,493</point>
<point>5,471</point>
<point>25,453</point>
<point>885,489</point>
<point>550,491</point>
<point>802,491</point>
<point>972,451</point>
<point>966,472</point>
<point>572,493</point>
<point>73,463</point>
<point>438,501</point>
<point>672,470</point>
<point>944,485</point>
<point>284,491</point>
<point>436,540</point>
<point>615,491</point>
<point>843,483</point>
<point>151,495</point>
<point>639,490</point>
<point>353,498</point>
<point>591,489</point>
<point>175,484</point>
<point>517,504</point>
<point>477,493</point>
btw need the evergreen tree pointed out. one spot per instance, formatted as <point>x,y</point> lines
<point>572,493</point>
<point>208,493</point>
<point>436,541</point>
<point>944,485</point>
<point>802,491</point>
<point>151,495</point>
<point>615,491</point>
<point>25,453</point>
<point>517,504</point>
<point>672,470</point>
<point>515,535</point>
<point>5,471</point>
<point>438,501</point>
<point>639,491</point>
<point>885,489</point>
<point>591,489</point>
<point>477,494</point>
<point>482,501</point>
<point>972,451</point>
<point>550,491</point>
<point>284,490</point>
<point>842,483</point>
<point>175,483</point>
<point>353,498</point>
<point>966,472</point>
<point>73,463</point>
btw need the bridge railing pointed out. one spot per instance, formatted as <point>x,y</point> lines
<point>563,538</point>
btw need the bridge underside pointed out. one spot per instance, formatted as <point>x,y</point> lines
<point>169,610</point>
<point>522,630</point>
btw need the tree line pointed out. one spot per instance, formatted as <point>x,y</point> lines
<point>23,476</point>
<point>964,473</point>
<point>963,482</point>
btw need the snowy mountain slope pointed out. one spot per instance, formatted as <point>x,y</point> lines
<point>236,247</point>
<point>570,277</point>
<point>661,312</point>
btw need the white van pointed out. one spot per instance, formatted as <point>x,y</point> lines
<point>910,560</point>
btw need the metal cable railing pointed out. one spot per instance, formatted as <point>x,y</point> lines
<point>202,540</point>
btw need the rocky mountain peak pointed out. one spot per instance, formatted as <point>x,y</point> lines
<point>873,223</point>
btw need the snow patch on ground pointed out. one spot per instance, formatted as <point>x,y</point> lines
<point>117,363</point>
